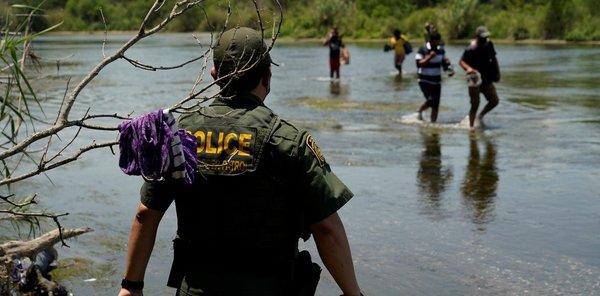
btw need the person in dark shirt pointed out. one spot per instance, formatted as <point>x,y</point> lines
<point>334,41</point>
<point>480,57</point>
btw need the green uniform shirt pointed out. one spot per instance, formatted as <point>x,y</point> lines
<point>244,228</point>
<point>320,191</point>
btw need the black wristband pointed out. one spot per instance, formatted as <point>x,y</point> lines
<point>132,285</point>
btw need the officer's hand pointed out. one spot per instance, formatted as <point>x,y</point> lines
<point>127,292</point>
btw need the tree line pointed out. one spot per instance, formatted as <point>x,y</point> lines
<point>573,20</point>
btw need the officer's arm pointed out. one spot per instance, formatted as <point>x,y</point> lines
<point>141,243</point>
<point>334,251</point>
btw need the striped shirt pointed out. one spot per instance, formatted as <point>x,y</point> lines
<point>432,71</point>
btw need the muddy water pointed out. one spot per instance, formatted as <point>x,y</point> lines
<point>512,209</point>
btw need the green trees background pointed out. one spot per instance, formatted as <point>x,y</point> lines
<point>574,20</point>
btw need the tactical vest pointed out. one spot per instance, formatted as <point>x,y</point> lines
<point>230,141</point>
<point>240,211</point>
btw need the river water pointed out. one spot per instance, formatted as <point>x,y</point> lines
<point>513,209</point>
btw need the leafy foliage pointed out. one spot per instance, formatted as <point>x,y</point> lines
<point>16,97</point>
<point>507,19</point>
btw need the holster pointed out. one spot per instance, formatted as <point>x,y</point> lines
<point>306,275</point>
<point>180,252</point>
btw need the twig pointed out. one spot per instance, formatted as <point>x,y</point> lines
<point>157,68</point>
<point>45,167</point>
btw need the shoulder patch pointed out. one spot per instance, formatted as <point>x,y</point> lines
<point>312,145</point>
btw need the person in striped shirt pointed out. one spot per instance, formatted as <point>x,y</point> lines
<point>431,60</point>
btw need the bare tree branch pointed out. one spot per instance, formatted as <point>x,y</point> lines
<point>29,201</point>
<point>45,167</point>
<point>157,68</point>
<point>62,155</point>
<point>13,249</point>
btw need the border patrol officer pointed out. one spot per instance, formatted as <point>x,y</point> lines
<point>261,184</point>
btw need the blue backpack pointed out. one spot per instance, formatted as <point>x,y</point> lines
<point>407,47</point>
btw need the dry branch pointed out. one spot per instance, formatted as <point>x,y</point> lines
<point>14,249</point>
<point>17,148</point>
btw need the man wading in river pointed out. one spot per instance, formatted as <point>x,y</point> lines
<point>239,222</point>
<point>480,57</point>
<point>431,59</point>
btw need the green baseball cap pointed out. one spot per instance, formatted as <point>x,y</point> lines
<point>241,47</point>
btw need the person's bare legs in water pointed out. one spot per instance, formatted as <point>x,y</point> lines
<point>434,112</point>
<point>489,92</point>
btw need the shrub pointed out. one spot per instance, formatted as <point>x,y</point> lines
<point>413,25</point>
<point>576,35</point>
<point>457,17</point>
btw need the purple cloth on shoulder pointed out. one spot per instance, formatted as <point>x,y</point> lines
<point>153,147</point>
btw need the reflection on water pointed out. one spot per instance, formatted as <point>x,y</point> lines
<point>397,82</point>
<point>432,176</point>
<point>334,87</point>
<point>481,180</point>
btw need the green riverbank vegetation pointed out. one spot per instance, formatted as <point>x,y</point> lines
<point>571,20</point>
